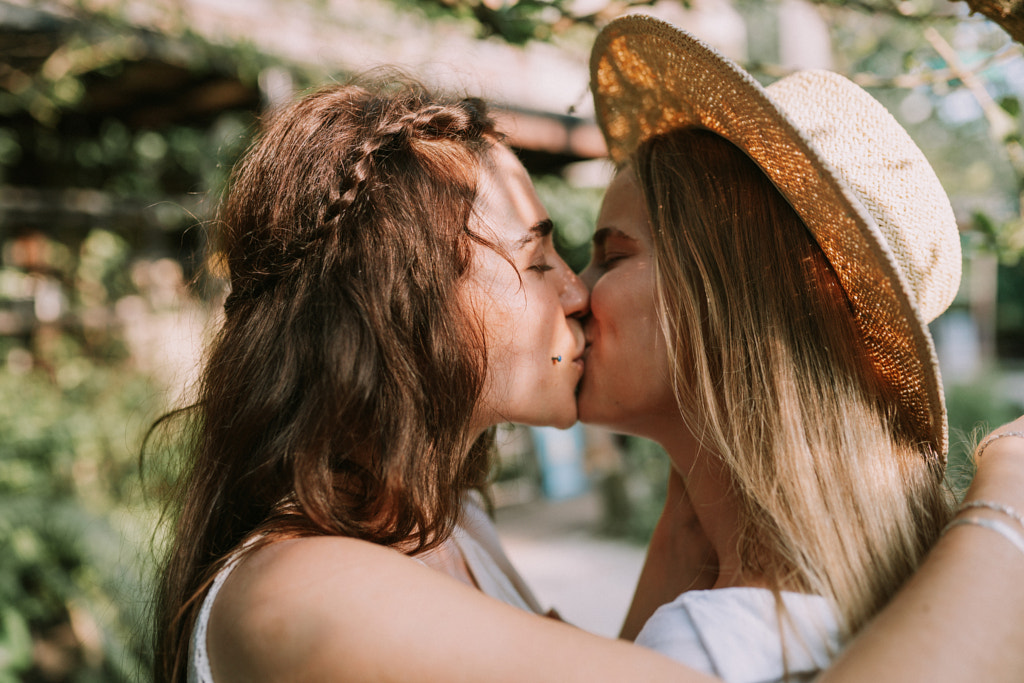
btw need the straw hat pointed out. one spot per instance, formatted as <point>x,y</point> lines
<point>851,172</point>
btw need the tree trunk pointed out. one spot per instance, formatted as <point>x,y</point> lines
<point>1007,13</point>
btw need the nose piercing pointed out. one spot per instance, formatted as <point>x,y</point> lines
<point>556,359</point>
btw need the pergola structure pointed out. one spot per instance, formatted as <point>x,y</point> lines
<point>68,69</point>
<point>150,67</point>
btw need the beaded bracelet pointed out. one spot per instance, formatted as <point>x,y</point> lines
<point>1003,530</point>
<point>994,437</point>
<point>998,507</point>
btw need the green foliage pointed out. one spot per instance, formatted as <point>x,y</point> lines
<point>1010,309</point>
<point>74,528</point>
<point>1004,239</point>
<point>634,497</point>
<point>974,410</point>
<point>15,644</point>
<point>143,164</point>
<point>516,22</point>
<point>574,212</point>
<point>101,277</point>
<point>51,135</point>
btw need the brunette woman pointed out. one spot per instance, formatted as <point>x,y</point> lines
<point>394,295</point>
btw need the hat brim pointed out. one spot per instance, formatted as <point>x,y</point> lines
<point>648,77</point>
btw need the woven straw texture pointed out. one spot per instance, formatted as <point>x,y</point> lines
<point>848,168</point>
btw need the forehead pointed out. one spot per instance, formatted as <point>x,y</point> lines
<point>507,205</point>
<point>623,207</point>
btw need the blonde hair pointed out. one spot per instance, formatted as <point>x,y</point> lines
<point>835,497</point>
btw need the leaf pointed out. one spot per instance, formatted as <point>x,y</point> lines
<point>15,642</point>
<point>1010,104</point>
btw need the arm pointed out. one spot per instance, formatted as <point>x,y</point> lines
<point>959,617</point>
<point>339,609</point>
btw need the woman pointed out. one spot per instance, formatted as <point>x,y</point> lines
<point>394,294</point>
<point>764,268</point>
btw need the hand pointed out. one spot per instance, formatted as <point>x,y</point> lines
<point>1000,467</point>
<point>999,474</point>
<point>997,438</point>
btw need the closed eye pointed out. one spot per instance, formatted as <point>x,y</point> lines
<point>608,260</point>
<point>612,245</point>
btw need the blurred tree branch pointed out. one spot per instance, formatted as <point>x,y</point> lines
<point>524,20</point>
<point>1007,13</point>
<point>1002,125</point>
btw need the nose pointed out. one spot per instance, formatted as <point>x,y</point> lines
<point>574,295</point>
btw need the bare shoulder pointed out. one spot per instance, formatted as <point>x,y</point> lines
<point>287,601</point>
<point>345,610</point>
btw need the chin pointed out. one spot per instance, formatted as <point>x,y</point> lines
<point>560,419</point>
<point>559,416</point>
<point>564,424</point>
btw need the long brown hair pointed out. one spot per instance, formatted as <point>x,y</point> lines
<point>836,497</point>
<point>337,396</point>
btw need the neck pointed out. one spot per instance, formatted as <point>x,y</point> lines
<point>714,500</point>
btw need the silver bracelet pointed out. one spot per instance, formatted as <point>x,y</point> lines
<point>994,437</point>
<point>1004,530</point>
<point>998,507</point>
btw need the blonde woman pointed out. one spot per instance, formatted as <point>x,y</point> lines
<point>765,265</point>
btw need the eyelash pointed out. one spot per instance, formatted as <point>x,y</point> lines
<point>609,259</point>
<point>541,268</point>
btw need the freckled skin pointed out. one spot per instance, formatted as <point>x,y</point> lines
<point>529,309</point>
<point>626,384</point>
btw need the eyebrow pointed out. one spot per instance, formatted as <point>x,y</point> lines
<point>539,230</point>
<point>602,235</point>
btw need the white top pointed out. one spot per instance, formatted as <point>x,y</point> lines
<point>492,571</point>
<point>733,633</point>
<point>474,538</point>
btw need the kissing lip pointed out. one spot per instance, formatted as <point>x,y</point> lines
<point>579,362</point>
<point>586,349</point>
<point>582,355</point>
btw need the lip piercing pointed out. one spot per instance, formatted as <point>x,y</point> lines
<point>556,359</point>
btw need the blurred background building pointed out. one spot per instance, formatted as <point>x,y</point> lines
<point>119,121</point>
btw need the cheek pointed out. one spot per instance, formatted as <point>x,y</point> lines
<point>602,303</point>
<point>615,307</point>
<point>628,336</point>
<point>519,337</point>
<point>491,297</point>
